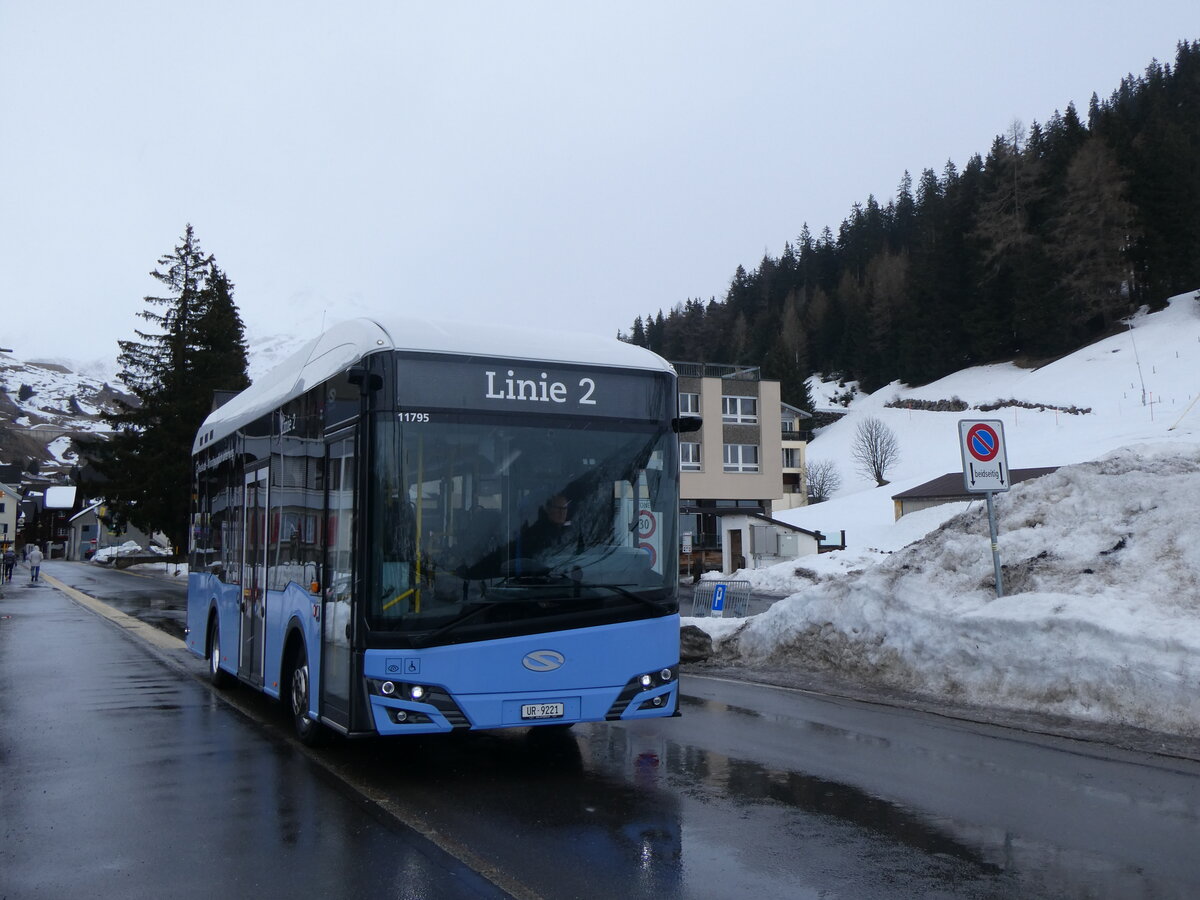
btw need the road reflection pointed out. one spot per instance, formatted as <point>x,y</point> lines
<point>530,802</point>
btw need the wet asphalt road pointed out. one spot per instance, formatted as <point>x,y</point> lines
<point>124,778</point>
<point>755,791</point>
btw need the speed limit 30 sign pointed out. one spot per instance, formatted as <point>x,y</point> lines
<point>985,461</point>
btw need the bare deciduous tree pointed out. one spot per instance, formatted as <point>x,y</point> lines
<point>822,479</point>
<point>875,449</point>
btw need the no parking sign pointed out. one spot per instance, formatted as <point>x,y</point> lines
<point>985,461</point>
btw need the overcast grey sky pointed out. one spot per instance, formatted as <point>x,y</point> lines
<point>568,164</point>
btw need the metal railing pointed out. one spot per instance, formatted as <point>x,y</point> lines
<point>721,599</point>
<point>716,370</point>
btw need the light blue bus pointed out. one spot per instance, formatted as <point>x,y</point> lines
<point>414,528</point>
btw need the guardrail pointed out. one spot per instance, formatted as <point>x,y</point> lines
<point>721,599</point>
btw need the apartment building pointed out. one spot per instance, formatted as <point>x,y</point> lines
<point>794,425</point>
<point>10,510</point>
<point>735,463</point>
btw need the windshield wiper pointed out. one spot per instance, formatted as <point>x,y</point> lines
<point>625,592</point>
<point>479,607</point>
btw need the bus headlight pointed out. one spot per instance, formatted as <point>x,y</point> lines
<point>652,680</point>
<point>659,680</point>
<point>398,690</point>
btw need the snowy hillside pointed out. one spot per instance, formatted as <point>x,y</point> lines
<point>41,404</point>
<point>41,400</point>
<point>1101,618</point>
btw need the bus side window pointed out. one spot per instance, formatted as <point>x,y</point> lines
<point>341,399</point>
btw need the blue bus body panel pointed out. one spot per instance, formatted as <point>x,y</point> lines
<point>293,604</point>
<point>597,666</point>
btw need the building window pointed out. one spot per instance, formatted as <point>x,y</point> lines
<point>741,457</point>
<point>739,410</point>
<point>791,458</point>
<point>689,457</point>
<point>689,404</point>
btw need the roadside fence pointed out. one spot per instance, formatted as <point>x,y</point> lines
<point>720,599</point>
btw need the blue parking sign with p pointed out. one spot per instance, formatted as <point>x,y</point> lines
<point>718,604</point>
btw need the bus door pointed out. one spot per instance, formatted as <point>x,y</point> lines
<point>337,592</point>
<point>254,576</point>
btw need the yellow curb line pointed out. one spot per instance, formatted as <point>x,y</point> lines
<point>135,626</point>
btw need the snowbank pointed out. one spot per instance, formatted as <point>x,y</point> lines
<point>1100,618</point>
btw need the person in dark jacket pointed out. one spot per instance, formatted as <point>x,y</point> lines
<point>553,532</point>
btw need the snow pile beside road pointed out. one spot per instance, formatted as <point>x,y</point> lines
<point>1101,618</point>
<point>105,555</point>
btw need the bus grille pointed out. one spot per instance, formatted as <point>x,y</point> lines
<point>632,689</point>
<point>443,703</point>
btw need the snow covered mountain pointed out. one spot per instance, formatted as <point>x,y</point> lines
<point>42,405</point>
<point>44,402</point>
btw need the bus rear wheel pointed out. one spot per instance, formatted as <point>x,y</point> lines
<point>310,732</point>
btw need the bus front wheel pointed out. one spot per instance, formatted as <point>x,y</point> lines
<point>217,676</point>
<point>310,732</point>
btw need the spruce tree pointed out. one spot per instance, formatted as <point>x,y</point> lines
<point>196,345</point>
<point>220,358</point>
<point>638,335</point>
<point>1089,243</point>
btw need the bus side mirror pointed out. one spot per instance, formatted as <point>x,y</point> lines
<point>366,381</point>
<point>686,424</point>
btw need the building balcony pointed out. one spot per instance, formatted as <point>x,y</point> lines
<point>713,370</point>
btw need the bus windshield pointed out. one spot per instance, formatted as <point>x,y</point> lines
<point>485,526</point>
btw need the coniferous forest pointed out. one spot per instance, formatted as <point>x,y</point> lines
<point>1027,253</point>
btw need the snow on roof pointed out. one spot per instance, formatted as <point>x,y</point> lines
<point>60,497</point>
<point>777,522</point>
<point>348,342</point>
<point>86,510</point>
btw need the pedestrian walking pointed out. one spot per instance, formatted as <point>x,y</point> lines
<point>10,561</point>
<point>35,563</point>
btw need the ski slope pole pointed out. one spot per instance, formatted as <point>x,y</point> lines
<point>1185,412</point>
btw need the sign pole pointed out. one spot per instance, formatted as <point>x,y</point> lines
<point>995,544</point>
